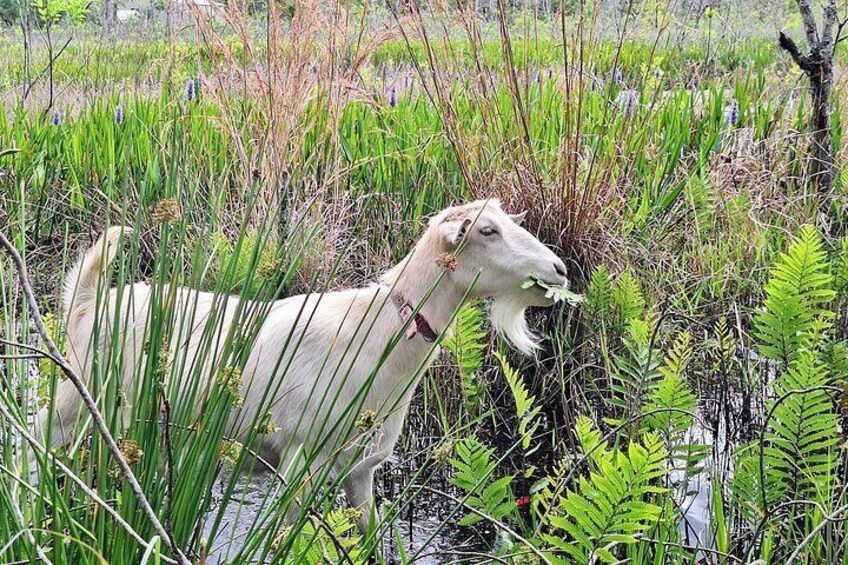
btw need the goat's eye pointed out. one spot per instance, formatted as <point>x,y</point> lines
<point>488,230</point>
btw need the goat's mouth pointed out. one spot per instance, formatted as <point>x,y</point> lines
<point>555,292</point>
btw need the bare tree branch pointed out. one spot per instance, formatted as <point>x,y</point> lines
<point>79,482</point>
<point>789,46</point>
<point>839,37</point>
<point>828,23</point>
<point>809,22</point>
<point>91,406</point>
<point>817,63</point>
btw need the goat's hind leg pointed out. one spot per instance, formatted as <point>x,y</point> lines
<point>359,488</point>
<point>66,413</point>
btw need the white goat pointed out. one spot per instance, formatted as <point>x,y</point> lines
<point>328,358</point>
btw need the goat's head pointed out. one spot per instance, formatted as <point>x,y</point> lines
<point>495,256</point>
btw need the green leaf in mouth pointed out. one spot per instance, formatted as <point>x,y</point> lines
<point>558,293</point>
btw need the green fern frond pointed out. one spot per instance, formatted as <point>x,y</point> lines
<point>525,407</point>
<point>671,406</point>
<point>313,543</point>
<point>672,392</point>
<point>599,294</point>
<point>679,356</point>
<point>591,442</point>
<point>545,490</point>
<point>722,344</point>
<point>473,466</point>
<point>473,463</point>
<point>796,294</point>
<point>637,372</point>
<point>835,358</point>
<point>802,439</point>
<point>798,457</point>
<point>612,506</point>
<point>467,343</point>
<point>627,297</point>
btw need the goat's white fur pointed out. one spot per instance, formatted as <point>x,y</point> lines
<point>335,339</point>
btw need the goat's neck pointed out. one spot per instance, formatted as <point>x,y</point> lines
<point>417,281</point>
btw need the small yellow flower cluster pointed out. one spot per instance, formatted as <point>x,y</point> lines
<point>352,514</point>
<point>267,425</point>
<point>121,397</point>
<point>131,450</point>
<point>443,451</point>
<point>229,379</point>
<point>447,261</point>
<point>166,211</point>
<point>231,451</point>
<point>163,365</point>
<point>366,421</point>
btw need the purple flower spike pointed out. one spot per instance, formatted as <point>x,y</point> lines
<point>189,90</point>
<point>617,76</point>
<point>631,104</point>
<point>119,115</point>
<point>392,97</point>
<point>57,118</point>
<point>731,113</point>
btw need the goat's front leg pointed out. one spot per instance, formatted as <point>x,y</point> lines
<point>359,489</point>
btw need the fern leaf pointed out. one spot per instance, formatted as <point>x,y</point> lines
<point>637,373</point>
<point>467,343</point>
<point>526,410</point>
<point>799,288</point>
<point>627,298</point>
<point>599,294</point>
<point>614,504</point>
<point>473,466</point>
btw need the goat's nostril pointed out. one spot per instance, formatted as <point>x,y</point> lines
<point>560,268</point>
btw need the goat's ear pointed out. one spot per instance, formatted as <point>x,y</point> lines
<point>453,232</point>
<point>518,218</point>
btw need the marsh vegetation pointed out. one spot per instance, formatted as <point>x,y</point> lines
<point>690,408</point>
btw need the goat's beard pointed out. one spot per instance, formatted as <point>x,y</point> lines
<point>507,316</point>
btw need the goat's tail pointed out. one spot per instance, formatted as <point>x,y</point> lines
<point>82,279</point>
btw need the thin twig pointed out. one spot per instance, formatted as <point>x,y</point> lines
<point>21,357</point>
<point>79,482</point>
<point>834,517</point>
<point>91,406</point>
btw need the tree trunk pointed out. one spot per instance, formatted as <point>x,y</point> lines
<point>821,163</point>
<point>110,14</point>
<point>817,64</point>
